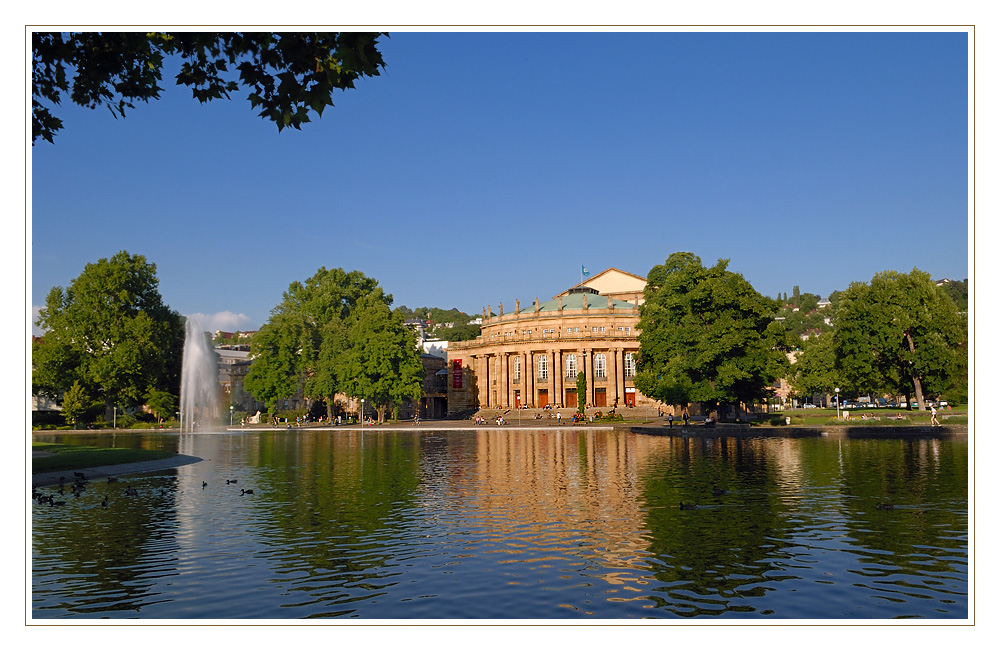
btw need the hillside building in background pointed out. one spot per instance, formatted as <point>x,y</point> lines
<point>530,356</point>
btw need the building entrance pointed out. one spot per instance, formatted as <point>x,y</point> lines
<point>571,397</point>
<point>629,397</point>
<point>543,398</point>
<point>600,397</point>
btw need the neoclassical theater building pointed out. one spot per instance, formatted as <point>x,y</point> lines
<point>530,357</point>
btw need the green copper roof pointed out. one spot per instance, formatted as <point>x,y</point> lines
<point>575,302</point>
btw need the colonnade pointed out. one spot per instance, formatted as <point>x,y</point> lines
<point>508,379</point>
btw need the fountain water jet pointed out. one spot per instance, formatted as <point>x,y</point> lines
<point>199,380</point>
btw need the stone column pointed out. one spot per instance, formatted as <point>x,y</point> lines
<point>589,370</point>
<point>481,367</point>
<point>528,373</point>
<point>484,387</point>
<point>491,365</point>
<point>557,384</point>
<point>504,380</point>
<point>612,379</point>
<point>620,377</point>
<point>622,360</point>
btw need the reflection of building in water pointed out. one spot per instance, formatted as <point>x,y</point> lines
<point>533,489</point>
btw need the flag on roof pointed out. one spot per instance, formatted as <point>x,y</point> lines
<point>584,271</point>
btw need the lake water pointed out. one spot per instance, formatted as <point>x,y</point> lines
<point>522,524</point>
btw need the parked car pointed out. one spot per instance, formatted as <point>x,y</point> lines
<point>809,405</point>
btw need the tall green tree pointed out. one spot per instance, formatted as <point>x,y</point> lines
<point>111,332</point>
<point>814,369</point>
<point>901,334</point>
<point>161,403</point>
<point>581,392</point>
<point>382,363</point>
<point>75,403</point>
<point>301,342</point>
<point>707,336</point>
<point>289,76</point>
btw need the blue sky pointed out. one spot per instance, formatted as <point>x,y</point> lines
<point>481,168</point>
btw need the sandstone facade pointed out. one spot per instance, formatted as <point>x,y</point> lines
<point>530,356</point>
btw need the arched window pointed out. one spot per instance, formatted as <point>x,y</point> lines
<point>543,367</point>
<point>517,369</point>
<point>600,366</point>
<point>629,364</point>
<point>571,366</point>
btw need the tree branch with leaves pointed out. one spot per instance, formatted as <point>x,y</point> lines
<point>288,76</point>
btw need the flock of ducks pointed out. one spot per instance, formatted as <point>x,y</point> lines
<point>80,484</point>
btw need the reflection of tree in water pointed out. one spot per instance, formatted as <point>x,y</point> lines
<point>325,497</point>
<point>792,505</point>
<point>927,483</point>
<point>714,555</point>
<point>103,554</point>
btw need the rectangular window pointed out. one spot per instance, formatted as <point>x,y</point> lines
<point>600,366</point>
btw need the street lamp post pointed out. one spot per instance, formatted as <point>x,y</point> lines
<point>362,421</point>
<point>230,415</point>
<point>114,420</point>
<point>837,392</point>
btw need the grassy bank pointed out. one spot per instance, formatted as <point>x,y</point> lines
<point>882,417</point>
<point>74,457</point>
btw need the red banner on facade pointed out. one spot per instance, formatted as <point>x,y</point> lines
<point>456,374</point>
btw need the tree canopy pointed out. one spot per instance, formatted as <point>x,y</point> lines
<point>381,362</point>
<point>814,370</point>
<point>901,334</point>
<point>111,333</point>
<point>289,76</point>
<point>301,343</point>
<point>706,335</point>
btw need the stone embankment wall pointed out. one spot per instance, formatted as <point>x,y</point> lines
<point>729,429</point>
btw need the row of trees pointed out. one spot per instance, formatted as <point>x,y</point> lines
<point>707,336</point>
<point>333,334</point>
<point>900,335</point>
<point>109,337</point>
